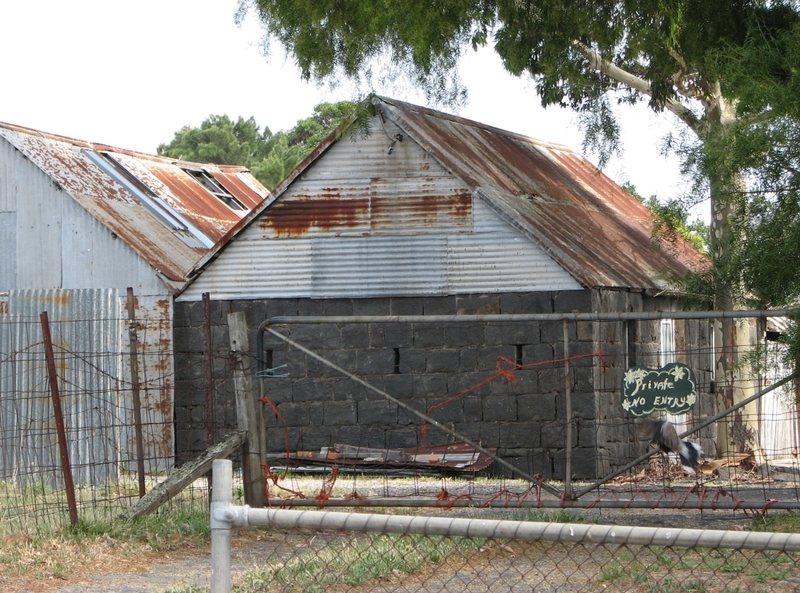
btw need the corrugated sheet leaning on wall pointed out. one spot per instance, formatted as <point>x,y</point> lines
<point>90,341</point>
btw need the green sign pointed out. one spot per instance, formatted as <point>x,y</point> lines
<point>672,389</point>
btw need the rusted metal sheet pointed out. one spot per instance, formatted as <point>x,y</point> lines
<point>211,215</point>
<point>80,169</point>
<point>322,210</point>
<point>557,222</point>
<point>589,224</point>
<point>451,458</point>
<point>239,182</point>
<point>178,189</point>
<point>419,205</point>
<point>156,371</point>
<point>416,232</point>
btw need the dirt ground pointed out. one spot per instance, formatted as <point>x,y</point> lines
<point>145,573</point>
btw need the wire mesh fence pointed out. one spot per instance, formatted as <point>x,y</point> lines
<point>512,398</point>
<point>97,470</point>
<point>508,393</point>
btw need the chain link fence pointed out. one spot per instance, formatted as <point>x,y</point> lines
<point>322,560</point>
<point>322,551</point>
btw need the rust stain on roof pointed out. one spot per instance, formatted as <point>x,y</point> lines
<point>170,250</point>
<point>239,182</point>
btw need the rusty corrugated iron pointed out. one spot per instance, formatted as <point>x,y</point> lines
<point>455,457</point>
<point>240,182</point>
<point>68,163</point>
<point>589,224</point>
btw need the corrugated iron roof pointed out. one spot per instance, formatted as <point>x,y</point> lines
<point>152,203</point>
<point>587,223</point>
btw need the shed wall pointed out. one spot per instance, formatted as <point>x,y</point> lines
<point>421,364</point>
<point>629,343</point>
<point>360,222</point>
<point>426,364</point>
<point>52,242</point>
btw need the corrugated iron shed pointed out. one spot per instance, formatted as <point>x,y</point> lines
<point>590,226</point>
<point>169,212</point>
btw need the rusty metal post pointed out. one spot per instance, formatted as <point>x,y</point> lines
<point>208,368</point>
<point>63,449</point>
<point>137,404</point>
<point>568,407</point>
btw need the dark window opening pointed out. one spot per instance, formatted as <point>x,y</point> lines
<point>268,360</point>
<point>216,189</point>
<point>630,328</point>
<point>396,361</point>
<point>518,353</point>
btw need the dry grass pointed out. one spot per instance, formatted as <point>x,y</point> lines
<point>42,564</point>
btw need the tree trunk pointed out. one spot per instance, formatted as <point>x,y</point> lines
<point>739,433</point>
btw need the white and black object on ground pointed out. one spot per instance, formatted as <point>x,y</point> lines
<point>663,434</point>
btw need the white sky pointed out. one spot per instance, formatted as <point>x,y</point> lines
<point>130,74</point>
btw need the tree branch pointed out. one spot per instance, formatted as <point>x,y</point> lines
<point>597,62</point>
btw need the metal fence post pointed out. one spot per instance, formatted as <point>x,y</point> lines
<point>208,371</point>
<point>137,402</point>
<point>63,448</point>
<point>221,497</point>
<point>568,408</point>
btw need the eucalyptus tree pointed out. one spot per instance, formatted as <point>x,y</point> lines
<point>676,56</point>
<point>270,157</point>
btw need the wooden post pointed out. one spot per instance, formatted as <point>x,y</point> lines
<point>137,403</point>
<point>184,476</point>
<point>63,449</point>
<point>246,410</point>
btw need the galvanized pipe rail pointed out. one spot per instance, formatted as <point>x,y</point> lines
<point>509,317</point>
<point>687,503</point>
<point>225,516</point>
